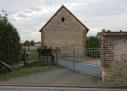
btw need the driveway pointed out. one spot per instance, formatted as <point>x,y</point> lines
<point>55,77</point>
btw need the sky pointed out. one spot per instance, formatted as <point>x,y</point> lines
<point>28,16</point>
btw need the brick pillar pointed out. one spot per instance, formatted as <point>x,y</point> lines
<point>106,55</point>
<point>84,38</point>
<point>114,56</point>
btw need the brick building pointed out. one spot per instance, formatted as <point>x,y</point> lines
<point>64,30</point>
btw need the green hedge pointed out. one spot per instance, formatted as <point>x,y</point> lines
<point>44,51</point>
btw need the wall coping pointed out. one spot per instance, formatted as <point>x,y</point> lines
<point>108,33</point>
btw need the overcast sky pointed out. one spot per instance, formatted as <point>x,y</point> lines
<point>28,16</point>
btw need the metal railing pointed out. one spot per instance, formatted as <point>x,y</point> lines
<point>88,55</point>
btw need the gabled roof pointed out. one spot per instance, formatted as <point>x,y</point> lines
<point>70,13</point>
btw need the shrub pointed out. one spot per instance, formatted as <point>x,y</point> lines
<point>93,42</point>
<point>45,51</point>
<point>3,69</point>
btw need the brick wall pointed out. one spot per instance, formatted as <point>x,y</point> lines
<point>114,56</point>
<point>42,38</point>
<point>64,34</point>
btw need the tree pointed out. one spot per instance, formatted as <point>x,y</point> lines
<point>38,42</point>
<point>27,44</point>
<point>10,46</point>
<point>93,42</point>
<point>32,42</point>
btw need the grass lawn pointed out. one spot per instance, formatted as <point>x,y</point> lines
<point>33,55</point>
<point>24,71</point>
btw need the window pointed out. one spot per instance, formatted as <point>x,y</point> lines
<point>62,19</point>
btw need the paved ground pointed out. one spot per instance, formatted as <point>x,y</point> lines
<point>15,88</point>
<point>56,77</point>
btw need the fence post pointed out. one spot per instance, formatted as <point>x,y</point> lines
<point>84,54</point>
<point>56,55</point>
<point>24,58</point>
<point>74,59</point>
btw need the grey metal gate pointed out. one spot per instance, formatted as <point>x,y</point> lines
<point>78,55</point>
<point>84,60</point>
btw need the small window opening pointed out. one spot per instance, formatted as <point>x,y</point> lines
<point>62,19</point>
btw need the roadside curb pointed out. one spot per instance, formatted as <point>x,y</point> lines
<point>104,87</point>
